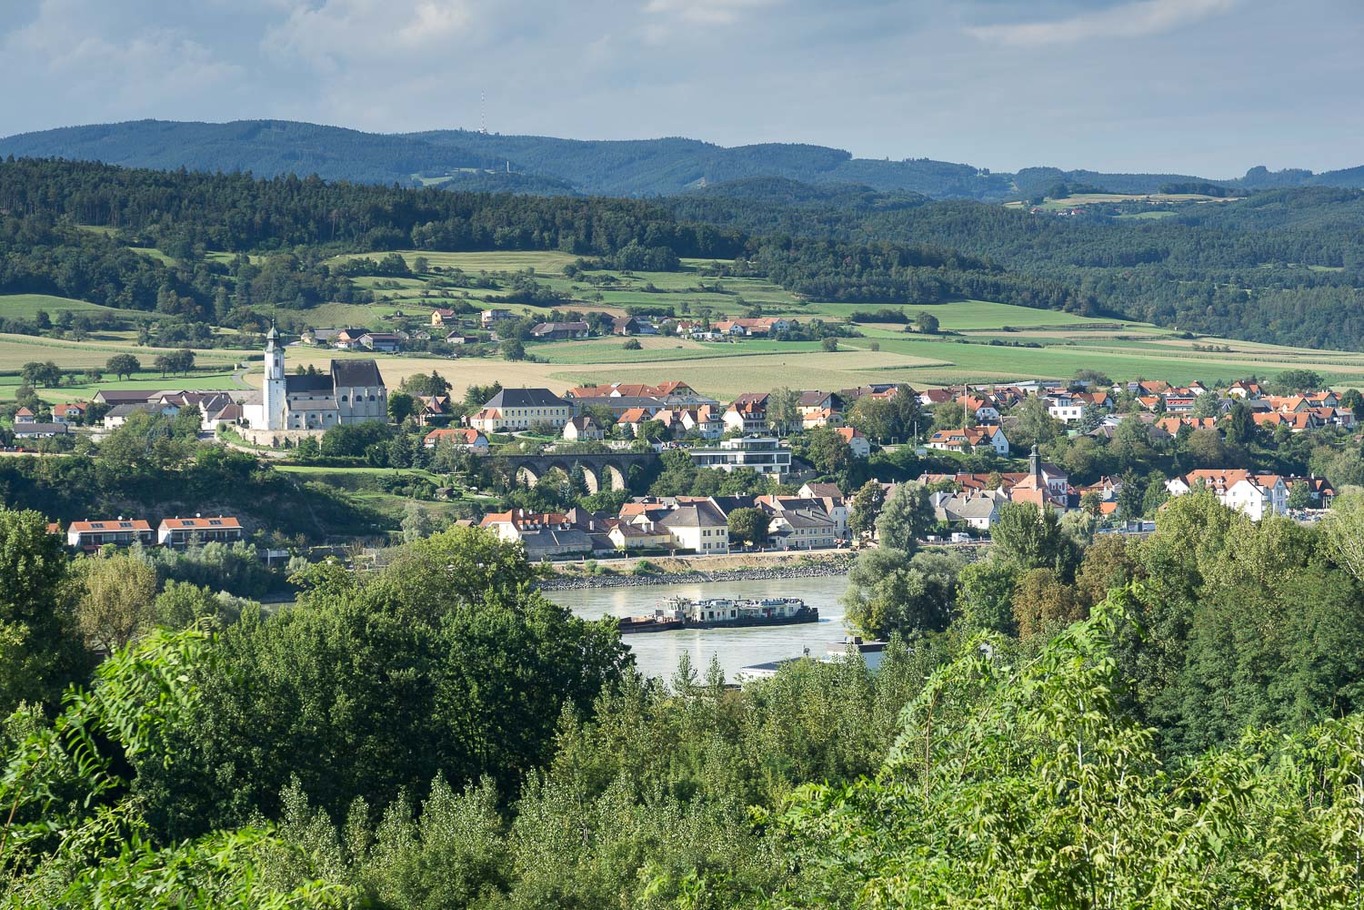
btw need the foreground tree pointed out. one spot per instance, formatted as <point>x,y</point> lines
<point>40,650</point>
<point>116,600</point>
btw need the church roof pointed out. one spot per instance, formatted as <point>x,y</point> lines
<point>319,382</point>
<point>356,373</point>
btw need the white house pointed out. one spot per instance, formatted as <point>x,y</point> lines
<point>1257,495</point>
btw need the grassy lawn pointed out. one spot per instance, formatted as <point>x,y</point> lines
<point>16,350</point>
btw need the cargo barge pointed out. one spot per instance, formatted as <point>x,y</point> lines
<point>720,613</point>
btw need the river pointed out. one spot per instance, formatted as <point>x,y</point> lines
<point>657,653</point>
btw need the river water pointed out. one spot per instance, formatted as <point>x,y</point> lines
<point>657,653</point>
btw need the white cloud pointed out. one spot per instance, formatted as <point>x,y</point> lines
<point>1139,19</point>
<point>131,72</point>
<point>352,30</point>
<point>706,12</point>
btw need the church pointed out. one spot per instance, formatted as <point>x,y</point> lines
<point>351,392</point>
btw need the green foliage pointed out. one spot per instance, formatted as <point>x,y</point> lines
<point>905,518</point>
<point>1029,786</point>
<point>447,662</point>
<point>890,592</point>
<point>1032,538</point>
<point>40,649</point>
<point>749,526</point>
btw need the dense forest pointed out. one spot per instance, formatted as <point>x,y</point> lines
<point>1281,266</point>
<point>1168,722</point>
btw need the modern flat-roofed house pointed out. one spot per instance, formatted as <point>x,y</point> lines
<point>182,532</point>
<point>763,454</point>
<point>490,318</point>
<point>521,409</point>
<point>121,532</point>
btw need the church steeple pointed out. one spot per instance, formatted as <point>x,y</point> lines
<point>1035,465</point>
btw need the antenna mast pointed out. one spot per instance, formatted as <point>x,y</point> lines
<point>483,112</point>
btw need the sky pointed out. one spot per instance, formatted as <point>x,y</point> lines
<point>1206,87</point>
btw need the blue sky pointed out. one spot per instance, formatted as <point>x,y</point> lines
<point>1209,87</point>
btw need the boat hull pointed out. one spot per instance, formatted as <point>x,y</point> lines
<point>805,614</point>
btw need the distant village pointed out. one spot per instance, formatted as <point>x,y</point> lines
<point>753,432</point>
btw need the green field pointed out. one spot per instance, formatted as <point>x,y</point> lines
<point>26,306</point>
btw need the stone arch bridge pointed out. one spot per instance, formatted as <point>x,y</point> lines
<point>606,471</point>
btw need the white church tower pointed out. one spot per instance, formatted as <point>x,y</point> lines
<point>273,395</point>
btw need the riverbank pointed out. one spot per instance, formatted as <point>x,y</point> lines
<point>675,570</point>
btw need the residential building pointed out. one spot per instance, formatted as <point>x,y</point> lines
<point>24,415</point>
<point>968,439</point>
<point>764,454</point>
<point>442,316</point>
<point>68,413</point>
<point>521,409</point>
<point>120,532</point>
<point>1257,495</point>
<point>633,325</point>
<point>459,437</point>
<point>857,441</point>
<point>560,331</point>
<point>698,526</point>
<point>583,427</point>
<point>543,534</point>
<point>179,533</point>
<point>490,318</point>
<point>40,430</point>
<point>383,342</point>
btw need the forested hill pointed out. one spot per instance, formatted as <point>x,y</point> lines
<point>544,165</point>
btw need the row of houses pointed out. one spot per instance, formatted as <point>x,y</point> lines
<point>815,518</point>
<point>177,532</point>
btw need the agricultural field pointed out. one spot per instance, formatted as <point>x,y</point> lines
<point>982,342</point>
<point>27,306</point>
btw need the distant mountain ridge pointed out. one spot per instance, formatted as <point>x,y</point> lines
<point>545,165</point>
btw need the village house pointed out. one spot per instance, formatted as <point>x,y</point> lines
<point>582,428</point>
<point>33,430</point>
<point>755,328</point>
<point>968,439</point>
<point>119,532</point>
<point>24,415</point>
<point>633,325</point>
<point>857,441</point>
<point>543,534</point>
<point>972,509</point>
<point>698,526</point>
<point>465,438</point>
<point>349,339</point>
<point>489,319</point>
<point>442,316</point>
<point>382,342</point>
<point>560,331</point>
<point>179,533</point>
<point>69,413</point>
<point>747,413</point>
